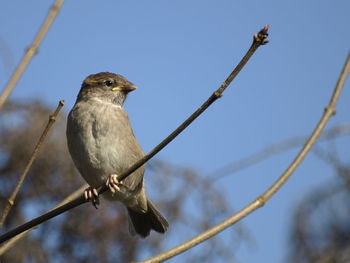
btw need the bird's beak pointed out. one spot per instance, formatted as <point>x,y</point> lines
<point>126,88</point>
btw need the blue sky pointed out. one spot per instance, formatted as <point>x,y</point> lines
<point>178,53</point>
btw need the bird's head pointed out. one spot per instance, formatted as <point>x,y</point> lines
<point>106,86</point>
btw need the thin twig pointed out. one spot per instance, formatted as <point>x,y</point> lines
<point>15,239</point>
<point>273,149</point>
<point>259,39</point>
<point>261,200</point>
<point>30,52</point>
<point>11,199</point>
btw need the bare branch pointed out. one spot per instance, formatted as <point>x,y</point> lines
<point>261,200</point>
<point>259,39</point>
<point>11,199</point>
<point>30,52</point>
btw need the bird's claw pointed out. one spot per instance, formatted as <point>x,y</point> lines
<point>113,183</point>
<point>91,195</point>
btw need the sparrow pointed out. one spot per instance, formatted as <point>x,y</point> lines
<point>102,145</point>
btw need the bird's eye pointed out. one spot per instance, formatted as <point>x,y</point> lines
<point>108,83</point>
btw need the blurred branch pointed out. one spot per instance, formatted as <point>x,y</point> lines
<point>342,169</point>
<point>329,111</point>
<point>6,54</point>
<point>30,52</point>
<point>273,149</point>
<point>15,239</point>
<point>11,199</point>
<point>259,39</point>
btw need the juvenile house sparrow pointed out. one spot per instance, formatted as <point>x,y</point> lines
<point>102,145</point>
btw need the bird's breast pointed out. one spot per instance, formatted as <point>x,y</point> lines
<point>101,141</point>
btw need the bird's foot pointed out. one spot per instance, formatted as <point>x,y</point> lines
<point>91,195</point>
<point>113,183</point>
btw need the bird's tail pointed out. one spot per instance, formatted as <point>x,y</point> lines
<point>143,223</point>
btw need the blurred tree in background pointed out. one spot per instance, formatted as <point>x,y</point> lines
<point>321,225</point>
